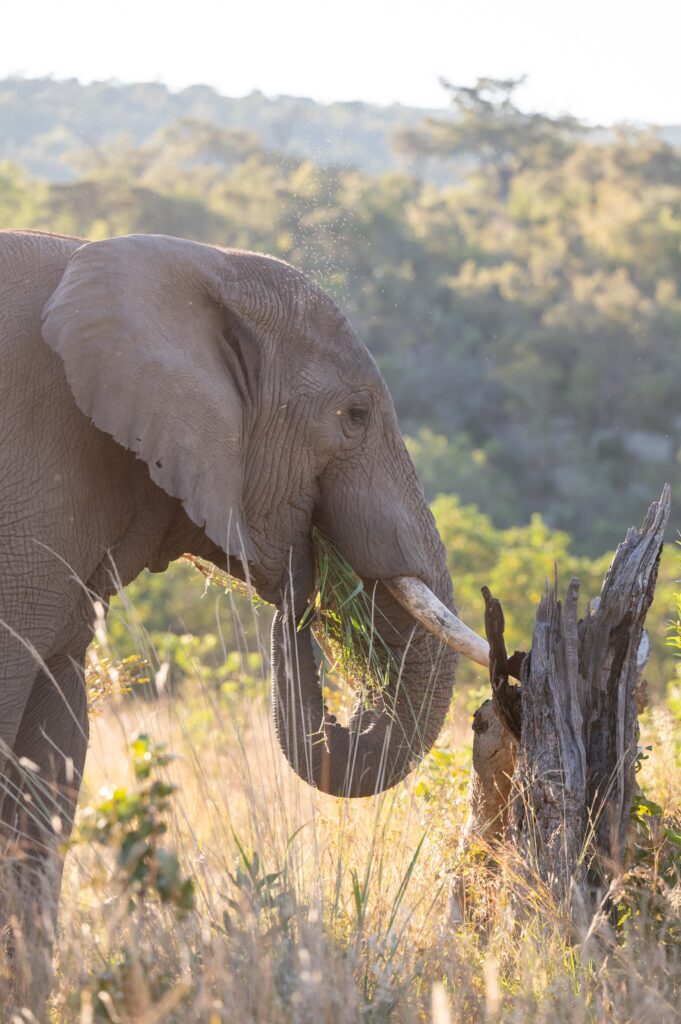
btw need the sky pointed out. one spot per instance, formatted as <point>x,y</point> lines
<point>602,60</point>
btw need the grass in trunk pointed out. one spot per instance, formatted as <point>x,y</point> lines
<point>343,616</point>
<point>345,621</point>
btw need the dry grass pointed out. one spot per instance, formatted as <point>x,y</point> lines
<point>346,914</point>
<point>357,925</point>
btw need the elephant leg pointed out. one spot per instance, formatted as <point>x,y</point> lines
<point>18,672</point>
<point>40,787</point>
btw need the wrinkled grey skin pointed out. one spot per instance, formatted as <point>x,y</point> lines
<point>159,396</point>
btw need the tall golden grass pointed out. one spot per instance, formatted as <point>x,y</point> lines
<point>312,909</point>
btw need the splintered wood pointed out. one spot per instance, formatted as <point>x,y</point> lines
<point>554,772</point>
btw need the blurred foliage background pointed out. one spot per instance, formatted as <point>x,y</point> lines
<point>516,277</point>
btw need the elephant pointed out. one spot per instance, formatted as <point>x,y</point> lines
<point>160,396</point>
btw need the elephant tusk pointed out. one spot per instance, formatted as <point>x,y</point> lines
<point>420,601</point>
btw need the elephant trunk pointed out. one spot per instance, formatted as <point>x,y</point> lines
<point>382,743</point>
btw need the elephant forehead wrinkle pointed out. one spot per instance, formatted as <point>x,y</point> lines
<point>309,376</point>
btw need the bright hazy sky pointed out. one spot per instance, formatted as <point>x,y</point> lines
<point>603,60</point>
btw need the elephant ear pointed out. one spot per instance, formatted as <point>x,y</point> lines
<point>162,342</point>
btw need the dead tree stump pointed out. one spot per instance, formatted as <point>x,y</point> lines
<point>554,771</point>
<point>494,756</point>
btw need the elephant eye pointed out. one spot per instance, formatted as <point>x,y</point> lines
<point>354,418</point>
<point>358,415</point>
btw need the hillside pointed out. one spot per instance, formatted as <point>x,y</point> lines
<point>46,123</point>
<point>43,122</point>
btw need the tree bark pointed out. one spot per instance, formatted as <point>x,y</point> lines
<point>563,789</point>
<point>549,812</point>
<point>494,757</point>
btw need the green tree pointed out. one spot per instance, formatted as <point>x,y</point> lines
<point>491,132</point>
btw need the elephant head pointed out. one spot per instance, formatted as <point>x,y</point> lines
<point>252,400</point>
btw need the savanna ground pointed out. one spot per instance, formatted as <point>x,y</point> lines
<point>289,906</point>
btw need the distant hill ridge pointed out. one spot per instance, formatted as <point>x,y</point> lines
<point>42,120</point>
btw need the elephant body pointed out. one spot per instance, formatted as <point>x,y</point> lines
<point>158,396</point>
<point>79,514</point>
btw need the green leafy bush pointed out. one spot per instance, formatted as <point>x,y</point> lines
<point>132,823</point>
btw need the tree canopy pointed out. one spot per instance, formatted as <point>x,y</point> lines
<point>530,338</point>
<point>527,325</point>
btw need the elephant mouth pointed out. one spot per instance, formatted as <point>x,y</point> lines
<point>402,696</point>
<point>338,585</point>
<point>410,592</point>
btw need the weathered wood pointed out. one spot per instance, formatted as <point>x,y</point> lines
<point>496,729</point>
<point>494,754</point>
<point>609,641</point>
<point>574,765</point>
<point>506,698</point>
<point>549,807</point>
